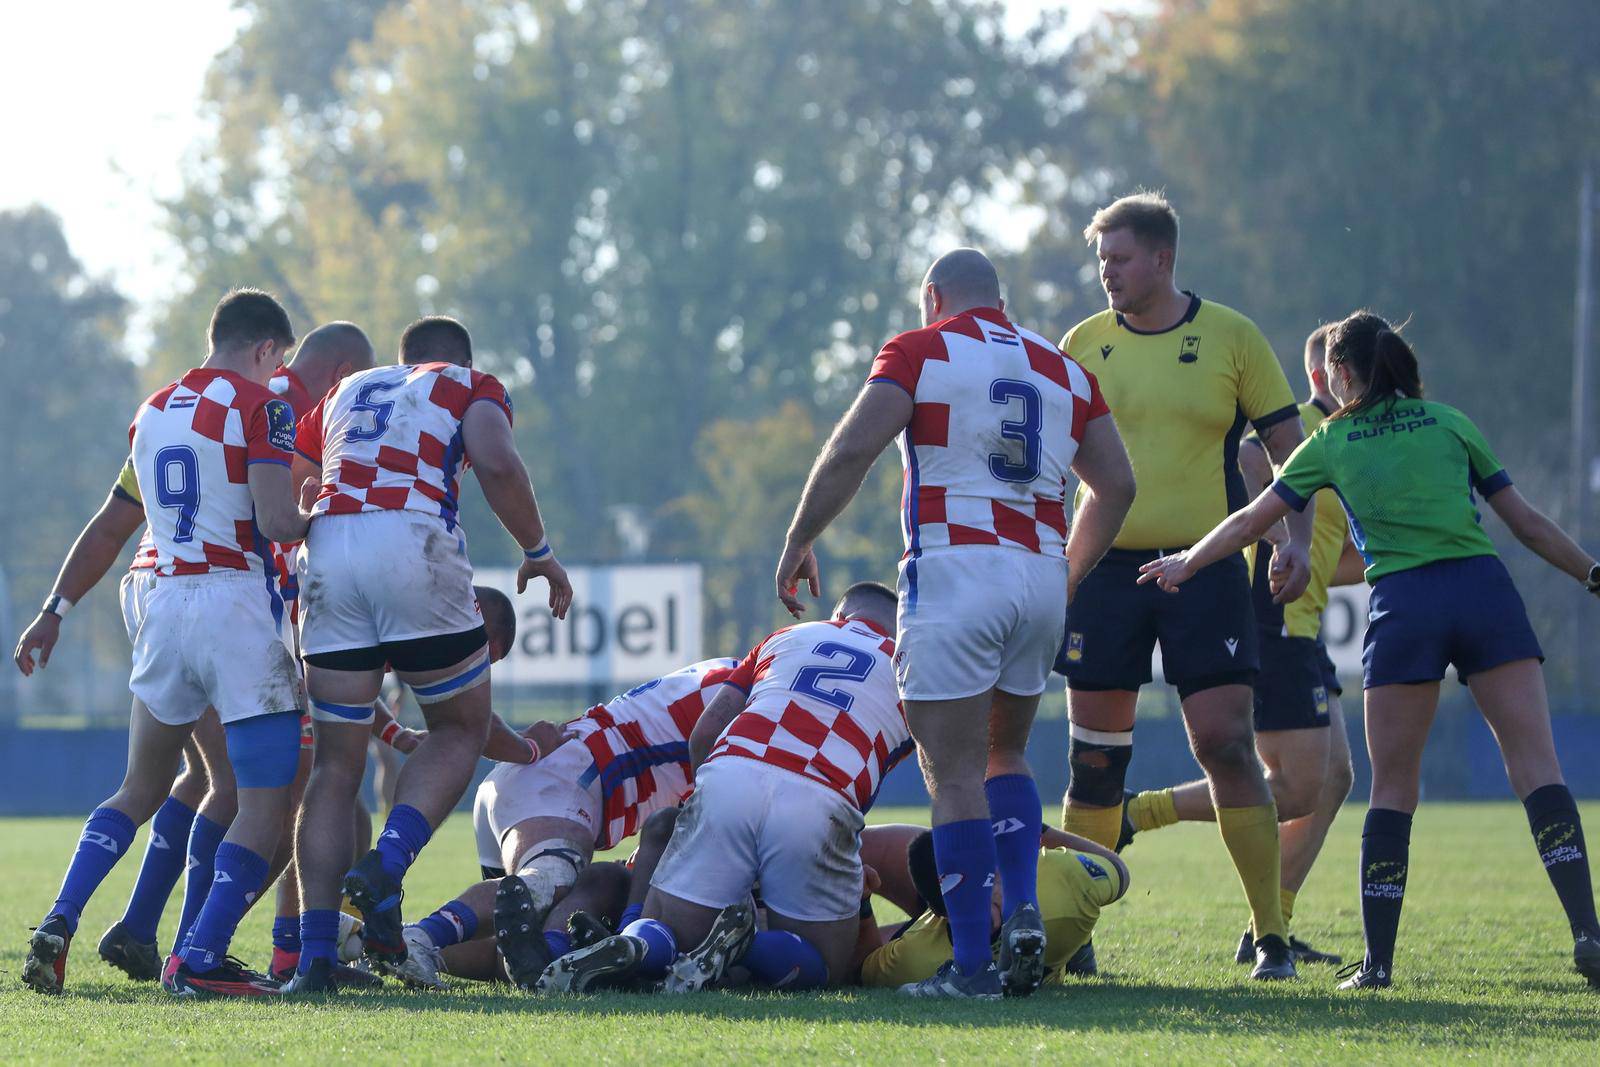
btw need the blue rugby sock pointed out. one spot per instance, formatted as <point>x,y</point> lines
<point>286,933</point>
<point>1018,820</point>
<point>240,875</point>
<point>204,837</point>
<point>319,937</point>
<point>629,914</point>
<point>661,948</point>
<point>104,841</point>
<point>450,925</point>
<point>558,943</point>
<point>964,854</point>
<point>404,835</point>
<point>163,864</point>
<point>779,959</point>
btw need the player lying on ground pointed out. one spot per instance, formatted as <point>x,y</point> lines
<point>783,778</point>
<point>385,582</point>
<point>1407,470</point>
<point>542,823</point>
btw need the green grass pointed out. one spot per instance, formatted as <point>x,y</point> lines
<point>1484,974</point>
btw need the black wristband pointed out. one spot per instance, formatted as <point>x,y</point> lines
<point>1592,583</point>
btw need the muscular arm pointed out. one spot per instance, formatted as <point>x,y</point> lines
<point>1291,563</point>
<point>91,555</point>
<point>1103,466</point>
<point>277,512</point>
<point>1540,534</point>
<point>881,410</point>
<point>723,709</point>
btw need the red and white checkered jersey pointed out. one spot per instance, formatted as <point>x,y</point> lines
<point>192,446</point>
<point>999,412</point>
<point>822,704</point>
<point>287,384</point>
<point>640,744</point>
<point>389,439</point>
<point>145,554</point>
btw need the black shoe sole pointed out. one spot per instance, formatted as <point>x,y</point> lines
<point>1022,967</point>
<point>608,961</point>
<point>519,934</point>
<point>39,969</point>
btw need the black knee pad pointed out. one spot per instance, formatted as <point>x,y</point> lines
<point>1098,772</point>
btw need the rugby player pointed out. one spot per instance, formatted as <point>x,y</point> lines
<point>385,583</point>
<point>1300,731</point>
<point>990,418</point>
<point>1409,472</point>
<point>1183,376</point>
<point>1076,879</point>
<point>783,779</point>
<point>212,450</point>
<point>542,823</point>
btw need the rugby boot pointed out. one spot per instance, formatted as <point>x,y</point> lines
<point>377,896</point>
<point>586,929</point>
<point>1274,961</point>
<point>724,945</point>
<point>1246,952</point>
<point>283,965</point>
<point>1021,962</point>
<point>1304,953</point>
<point>948,983</point>
<point>423,962</point>
<point>1125,835</point>
<point>519,933</point>
<point>138,961</point>
<point>609,961</point>
<point>230,978</point>
<point>1364,974</point>
<point>45,969</point>
<point>1083,964</point>
<point>1586,957</point>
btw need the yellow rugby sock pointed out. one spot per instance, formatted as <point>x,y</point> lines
<point>1251,837</point>
<point>1286,899</point>
<point>1153,809</point>
<point>1101,825</point>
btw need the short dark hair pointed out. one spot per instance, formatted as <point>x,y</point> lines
<point>1146,214</point>
<point>499,617</point>
<point>863,593</point>
<point>925,872</point>
<point>436,339</point>
<point>248,317</point>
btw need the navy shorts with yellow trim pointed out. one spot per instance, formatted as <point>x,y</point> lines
<point>1296,684</point>
<point>1207,629</point>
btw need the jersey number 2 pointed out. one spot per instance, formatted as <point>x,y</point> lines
<point>1024,430</point>
<point>857,665</point>
<point>380,410</point>
<point>184,494</point>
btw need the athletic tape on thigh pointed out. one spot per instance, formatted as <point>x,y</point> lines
<point>474,673</point>
<point>264,749</point>
<point>350,714</point>
<point>1099,761</point>
<point>556,849</point>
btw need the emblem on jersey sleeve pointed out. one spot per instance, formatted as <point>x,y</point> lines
<point>1074,648</point>
<point>280,424</point>
<point>1190,352</point>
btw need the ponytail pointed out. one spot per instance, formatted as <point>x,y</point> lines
<point>1378,356</point>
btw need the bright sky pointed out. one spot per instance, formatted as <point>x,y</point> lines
<point>119,86</point>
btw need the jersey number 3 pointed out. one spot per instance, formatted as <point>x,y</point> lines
<point>182,492</point>
<point>857,665</point>
<point>380,410</point>
<point>1024,431</point>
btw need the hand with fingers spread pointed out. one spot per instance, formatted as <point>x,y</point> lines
<point>797,564</point>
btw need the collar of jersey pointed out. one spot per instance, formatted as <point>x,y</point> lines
<point>208,373</point>
<point>1188,317</point>
<point>869,624</point>
<point>1319,406</point>
<point>994,315</point>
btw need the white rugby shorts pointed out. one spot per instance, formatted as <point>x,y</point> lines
<point>211,639</point>
<point>381,576</point>
<point>548,789</point>
<point>978,617</point>
<point>132,591</point>
<point>749,823</point>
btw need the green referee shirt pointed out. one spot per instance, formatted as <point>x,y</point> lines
<point>1406,473</point>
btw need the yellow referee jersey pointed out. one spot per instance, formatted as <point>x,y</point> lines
<point>1073,887</point>
<point>1181,398</point>
<point>1303,617</point>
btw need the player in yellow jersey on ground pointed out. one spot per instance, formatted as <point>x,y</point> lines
<point>1182,376</point>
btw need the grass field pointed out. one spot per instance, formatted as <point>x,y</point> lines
<point>1484,974</point>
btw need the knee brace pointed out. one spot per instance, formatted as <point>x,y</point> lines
<point>549,868</point>
<point>474,672</point>
<point>1099,763</point>
<point>264,749</point>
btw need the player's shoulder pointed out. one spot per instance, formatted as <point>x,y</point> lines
<point>928,341</point>
<point>1096,325</point>
<point>1220,320</point>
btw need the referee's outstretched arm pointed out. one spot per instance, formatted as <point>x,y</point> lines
<point>1539,533</point>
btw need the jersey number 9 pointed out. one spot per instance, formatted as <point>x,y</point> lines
<point>184,493</point>
<point>1025,431</point>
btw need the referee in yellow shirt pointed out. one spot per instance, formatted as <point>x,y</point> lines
<point>1183,377</point>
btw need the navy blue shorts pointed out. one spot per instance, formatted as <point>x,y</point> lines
<point>1207,629</point>
<point>1464,613</point>
<point>1296,684</point>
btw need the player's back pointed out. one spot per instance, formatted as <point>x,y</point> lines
<point>649,725</point>
<point>822,704</point>
<point>999,413</point>
<point>389,438</point>
<point>192,444</point>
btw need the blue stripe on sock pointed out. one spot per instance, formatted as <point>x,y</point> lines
<point>240,875</point>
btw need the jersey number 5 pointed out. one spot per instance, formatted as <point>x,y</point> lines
<point>857,665</point>
<point>1025,431</point>
<point>380,410</point>
<point>184,493</point>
